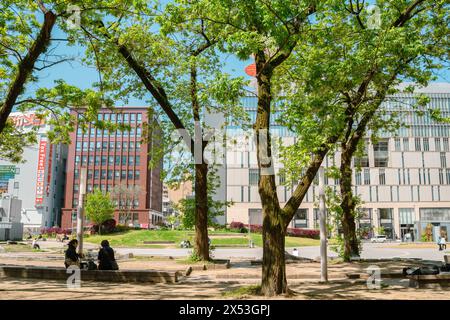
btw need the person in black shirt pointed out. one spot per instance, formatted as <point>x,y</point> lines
<point>71,255</point>
<point>106,259</point>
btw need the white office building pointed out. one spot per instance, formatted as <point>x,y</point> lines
<point>39,182</point>
<point>404,180</point>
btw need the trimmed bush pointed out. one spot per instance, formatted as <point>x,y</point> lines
<point>236,225</point>
<point>53,231</point>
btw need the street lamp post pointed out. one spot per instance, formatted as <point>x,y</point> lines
<point>80,209</point>
<point>323,228</point>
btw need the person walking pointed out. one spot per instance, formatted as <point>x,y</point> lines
<point>442,243</point>
<point>34,245</point>
<point>106,259</point>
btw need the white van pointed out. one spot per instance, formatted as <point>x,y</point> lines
<point>378,239</point>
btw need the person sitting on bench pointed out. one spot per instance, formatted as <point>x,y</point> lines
<point>71,255</point>
<point>106,259</point>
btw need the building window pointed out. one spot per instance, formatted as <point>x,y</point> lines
<point>366,176</point>
<point>426,144</point>
<point>358,178</point>
<point>131,161</point>
<point>125,145</point>
<point>443,160</point>
<point>131,145</point>
<point>124,174</point>
<point>138,160</point>
<point>77,160</point>
<point>97,160</point>
<point>380,150</point>
<point>16,185</point>
<point>124,160</point>
<point>91,160</point>
<point>111,160</point>
<point>130,174</point>
<point>139,117</point>
<point>85,146</point>
<point>437,144</point>
<point>104,159</point>
<point>133,117</point>
<point>96,174</point>
<point>301,218</point>
<point>138,132</point>
<point>382,177</point>
<point>76,174</point>
<point>405,144</point>
<point>117,162</point>
<point>441,176</point>
<point>447,172</point>
<point>84,160</point>
<point>446,146</point>
<point>117,174</point>
<point>78,147</point>
<point>137,175</point>
<point>110,174</point>
<point>418,146</point>
<point>385,214</point>
<point>362,162</point>
<point>253,177</point>
<point>397,144</point>
<point>138,146</point>
<point>89,174</point>
<point>103,173</point>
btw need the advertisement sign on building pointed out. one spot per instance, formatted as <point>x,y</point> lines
<point>6,173</point>
<point>27,120</point>
<point>40,181</point>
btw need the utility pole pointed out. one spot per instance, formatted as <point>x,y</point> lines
<point>323,228</point>
<point>80,209</point>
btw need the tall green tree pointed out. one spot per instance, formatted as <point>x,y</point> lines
<point>270,31</point>
<point>351,77</point>
<point>170,61</point>
<point>27,42</point>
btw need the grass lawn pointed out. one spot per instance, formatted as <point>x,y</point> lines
<point>136,238</point>
<point>19,248</point>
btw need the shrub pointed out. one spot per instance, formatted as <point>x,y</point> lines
<point>243,230</point>
<point>236,225</point>
<point>121,228</point>
<point>108,226</point>
<point>53,231</point>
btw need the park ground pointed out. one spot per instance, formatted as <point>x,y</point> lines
<point>237,282</point>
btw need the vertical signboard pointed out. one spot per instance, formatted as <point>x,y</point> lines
<point>40,181</point>
<point>6,173</point>
<point>49,169</point>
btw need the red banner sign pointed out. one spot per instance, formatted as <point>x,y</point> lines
<point>40,181</point>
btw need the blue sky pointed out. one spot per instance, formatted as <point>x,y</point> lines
<point>77,74</point>
<point>80,75</point>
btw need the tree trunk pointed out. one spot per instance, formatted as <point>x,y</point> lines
<point>25,67</point>
<point>273,234</point>
<point>273,281</point>
<point>201,211</point>
<point>351,247</point>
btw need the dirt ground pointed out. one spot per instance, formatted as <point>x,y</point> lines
<point>303,280</point>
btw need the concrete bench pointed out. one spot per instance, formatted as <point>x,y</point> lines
<point>437,281</point>
<point>55,273</point>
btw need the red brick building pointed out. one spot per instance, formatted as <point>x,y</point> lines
<point>114,158</point>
